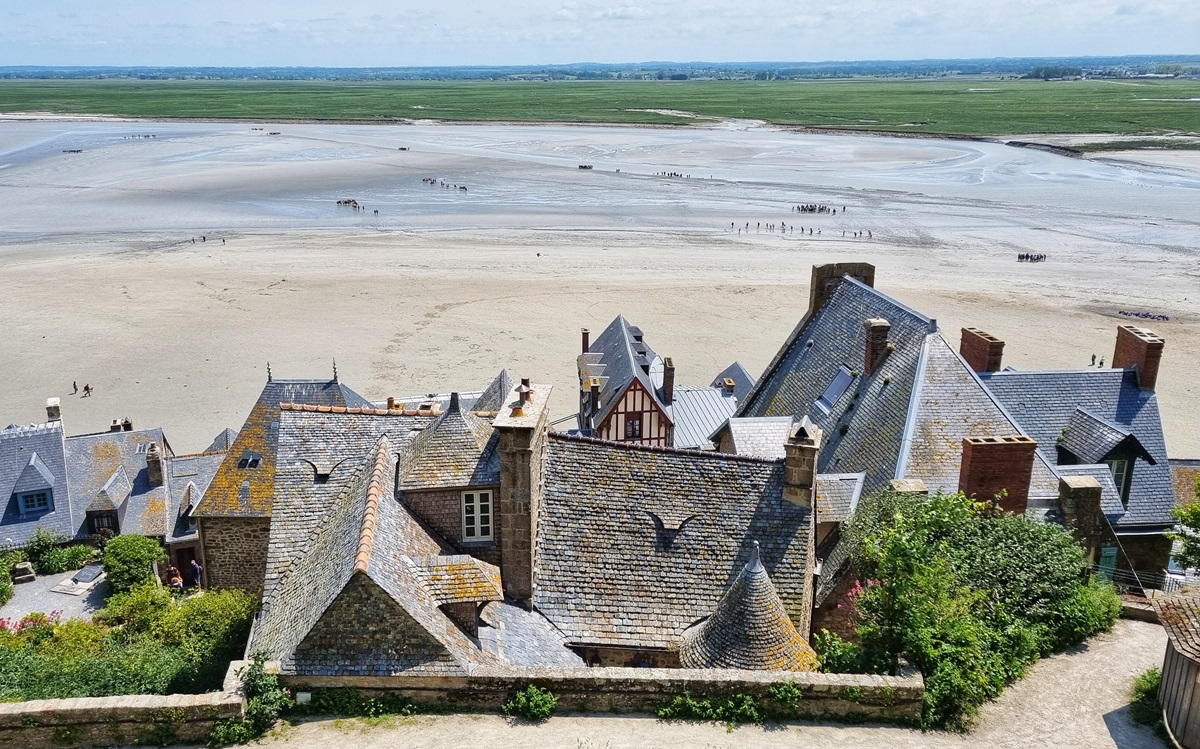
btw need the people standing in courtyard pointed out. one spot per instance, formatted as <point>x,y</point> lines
<point>196,573</point>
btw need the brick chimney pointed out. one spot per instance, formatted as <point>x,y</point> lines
<point>877,330</point>
<point>800,463</point>
<point>155,465</point>
<point>586,335</point>
<point>668,386</point>
<point>522,424</point>
<point>825,277</point>
<point>983,352</point>
<point>1079,502</point>
<point>115,426</point>
<point>1141,348</point>
<point>53,410</point>
<point>994,464</point>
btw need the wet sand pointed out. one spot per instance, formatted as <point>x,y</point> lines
<point>100,282</point>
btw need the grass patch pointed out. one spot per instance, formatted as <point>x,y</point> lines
<point>1139,144</point>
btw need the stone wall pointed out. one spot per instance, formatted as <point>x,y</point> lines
<point>1148,555</point>
<point>645,689</point>
<point>235,552</point>
<point>154,720</point>
<point>442,510</point>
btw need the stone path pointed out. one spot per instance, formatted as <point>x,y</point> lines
<point>38,596</point>
<point>1075,700</point>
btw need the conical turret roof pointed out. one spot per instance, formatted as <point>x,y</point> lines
<point>750,629</point>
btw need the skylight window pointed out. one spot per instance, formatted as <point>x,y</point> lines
<point>837,388</point>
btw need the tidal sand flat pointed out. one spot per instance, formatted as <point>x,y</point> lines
<point>166,263</point>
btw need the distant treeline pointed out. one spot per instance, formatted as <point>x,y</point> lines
<point>1032,67</point>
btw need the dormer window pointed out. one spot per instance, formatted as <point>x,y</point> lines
<point>39,501</point>
<point>1120,474</point>
<point>250,460</point>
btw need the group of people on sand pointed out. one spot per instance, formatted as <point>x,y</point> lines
<point>815,208</point>
<point>87,389</point>
<point>1144,315</point>
<point>433,182</point>
<point>677,175</point>
<point>1031,257</point>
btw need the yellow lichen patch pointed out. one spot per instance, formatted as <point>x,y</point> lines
<point>154,522</point>
<point>223,497</point>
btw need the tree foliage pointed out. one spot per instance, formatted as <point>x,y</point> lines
<point>969,598</point>
<point>129,560</point>
<point>1187,532</point>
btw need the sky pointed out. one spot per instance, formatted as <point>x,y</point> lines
<point>382,33</point>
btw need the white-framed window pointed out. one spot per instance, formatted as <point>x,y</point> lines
<point>1120,473</point>
<point>477,516</point>
<point>39,501</point>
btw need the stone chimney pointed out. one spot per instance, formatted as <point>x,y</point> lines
<point>908,486</point>
<point>115,426</point>
<point>53,410</point>
<point>586,335</point>
<point>155,465</point>
<point>668,386</point>
<point>983,352</point>
<point>1141,348</point>
<point>825,277</point>
<point>1079,502</point>
<point>877,330</point>
<point>994,464</point>
<point>127,424</point>
<point>800,463</point>
<point>522,424</point>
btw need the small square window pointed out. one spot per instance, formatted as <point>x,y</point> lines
<point>36,502</point>
<point>477,516</point>
<point>633,427</point>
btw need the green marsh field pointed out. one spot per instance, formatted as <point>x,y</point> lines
<point>966,106</point>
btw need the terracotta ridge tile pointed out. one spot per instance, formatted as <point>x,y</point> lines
<point>667,450</point>
<point>366,538</point>
<point>357,411</point>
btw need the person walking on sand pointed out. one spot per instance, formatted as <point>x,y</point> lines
<point>87,390</point>
<point>1093,360</point>
<point>75,385</point>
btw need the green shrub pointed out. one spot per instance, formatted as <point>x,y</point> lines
<point>6,586</point>
<point>837,656</point>
<point>137,611</point>
<point>265,700</point>
<point>129,559</point>
<point>531,703</point>
<point>1143,699</point>
<point>210,630</point>
<point>784,700</point>
<point>351,703</point>
<point>41,544</point>
<point>63,558</point>
<point>738,708</point>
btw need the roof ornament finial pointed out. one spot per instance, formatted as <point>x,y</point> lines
<point>335,374</point>
<point>268,371</point>
<point>755,563</point>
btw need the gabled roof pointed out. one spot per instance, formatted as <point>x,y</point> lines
<point>1092,439</point>
<point>696,412</point>
<point>1043,402</point>
<point>760,436</point>
<point>189,477</point>
<point>457,449</point>
<point>635,544</point>
<point>222,442</point>
<point>92,462</point>
<point>749,629</point>
<point>950,403</point>
<point>36,475</point>
<point>618,358</point>
<point>492,397</point>
<point>18,446</point>
<point>838,495</point>
<point>864,427</point>
<point>743,381</point>
<point>242,490</point>
<point>1180,617</point>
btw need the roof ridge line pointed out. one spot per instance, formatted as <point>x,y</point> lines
<point>667,450</point>
<point>308,408</point>
<point>892,299</point>
<point>366,537</point>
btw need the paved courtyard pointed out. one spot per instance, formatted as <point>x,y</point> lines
<point>1076,699</point>
<point>38,596</point>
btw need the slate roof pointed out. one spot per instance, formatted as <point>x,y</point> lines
<point>1043,402</point>
<point>457,449</point>
<point>1185,474</point>
<point>1180,617</point>
<point>864,428</point>
<point>750,629</point>
<point>838,495</point>
<point>742,379</point>
<point>618,358</point>
<point>950,404</point>
<point>636,544</point>
<point>1092,439</point>
<point>114,492</point>
<point>520,637</point>
<point>492,398</point>
<point>18,446</point>
<point>241,491</point>
<point>696,412</point>
<point>761,436</point>
<point>93,459</point>
<point>459,578</point>
<point>222,442</point>
<point>188,478</point>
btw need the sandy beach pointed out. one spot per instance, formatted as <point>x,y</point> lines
<point>101,282</point>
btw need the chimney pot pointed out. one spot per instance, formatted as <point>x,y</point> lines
<point>127,425</point>
<point>391,402</point>
<point>877,330</point>
<point>668,386</point>
<point>982,351</point>
<point>53,409</point>
<point>1140,348</point>
<point>586,334</point>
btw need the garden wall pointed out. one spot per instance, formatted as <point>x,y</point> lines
<point>106,721</point>
<point>860,696</point>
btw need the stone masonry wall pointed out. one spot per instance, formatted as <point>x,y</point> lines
<point>235,552</point>
<point>442,510</point>
<point>646,689</point>
<point>154,720</point>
